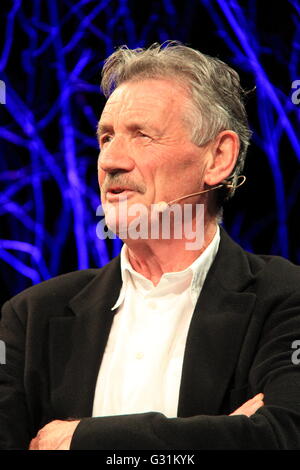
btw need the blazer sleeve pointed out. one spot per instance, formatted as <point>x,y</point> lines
<point>276,425</point>
<point>15,429</point>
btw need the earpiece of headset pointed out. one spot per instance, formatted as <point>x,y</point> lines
<point>163,205</point>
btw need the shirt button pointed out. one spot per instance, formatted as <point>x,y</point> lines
<point>139,355</point>
<point>152,304</point>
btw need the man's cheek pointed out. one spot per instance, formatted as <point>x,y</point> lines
<point>101,177</point>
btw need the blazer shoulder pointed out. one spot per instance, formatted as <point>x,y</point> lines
<point>61,289</point>
<point>275,272</point>
<point>277,265</point>
<point>265,273</point>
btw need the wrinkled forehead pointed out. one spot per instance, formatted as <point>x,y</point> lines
<point>158,98</point>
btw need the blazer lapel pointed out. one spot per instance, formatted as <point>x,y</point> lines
<point>216,332</point>
<point>77,342</point>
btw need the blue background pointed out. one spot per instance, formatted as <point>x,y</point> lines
<point>51,54</point>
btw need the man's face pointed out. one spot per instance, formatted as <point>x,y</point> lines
<point>146,152</point>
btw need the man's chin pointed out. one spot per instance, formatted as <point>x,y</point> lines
<point>127,220</point>
<point>131,228</point>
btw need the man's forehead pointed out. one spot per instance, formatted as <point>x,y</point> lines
<point>154,95</point>
<point>133,94</point>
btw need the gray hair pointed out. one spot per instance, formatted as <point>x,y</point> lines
<point>216,92</point>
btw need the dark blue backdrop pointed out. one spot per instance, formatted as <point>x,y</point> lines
<point>51,53</point>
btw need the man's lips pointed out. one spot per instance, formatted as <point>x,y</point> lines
<point>118,194</point>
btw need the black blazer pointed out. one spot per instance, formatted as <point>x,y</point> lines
<point>239,344</point>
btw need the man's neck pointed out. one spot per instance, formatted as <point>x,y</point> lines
<point>153,258</point>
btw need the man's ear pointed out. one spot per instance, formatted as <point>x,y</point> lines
<point>224,153</point>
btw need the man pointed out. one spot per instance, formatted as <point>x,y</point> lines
<point>165,347</point>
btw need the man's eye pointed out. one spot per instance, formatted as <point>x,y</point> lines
<point>105,138</point>
<point>143,135</point>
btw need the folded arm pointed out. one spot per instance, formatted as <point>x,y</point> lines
<point>58,434</point>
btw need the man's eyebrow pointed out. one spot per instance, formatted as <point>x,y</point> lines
<point>103,128</point>
<point>140,125</point>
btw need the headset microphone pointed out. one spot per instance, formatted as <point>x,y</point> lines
<point>163,205</point>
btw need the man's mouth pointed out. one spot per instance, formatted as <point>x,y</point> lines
<point>117,194</point>
<point>116,191</point>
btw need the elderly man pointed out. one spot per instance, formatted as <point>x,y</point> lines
<point>164,347</point>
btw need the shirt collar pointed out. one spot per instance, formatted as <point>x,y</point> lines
<point>197,270</point>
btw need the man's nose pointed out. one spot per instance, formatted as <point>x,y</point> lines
<point>115,157</point>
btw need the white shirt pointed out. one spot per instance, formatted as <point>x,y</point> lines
<point>142,363</point>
